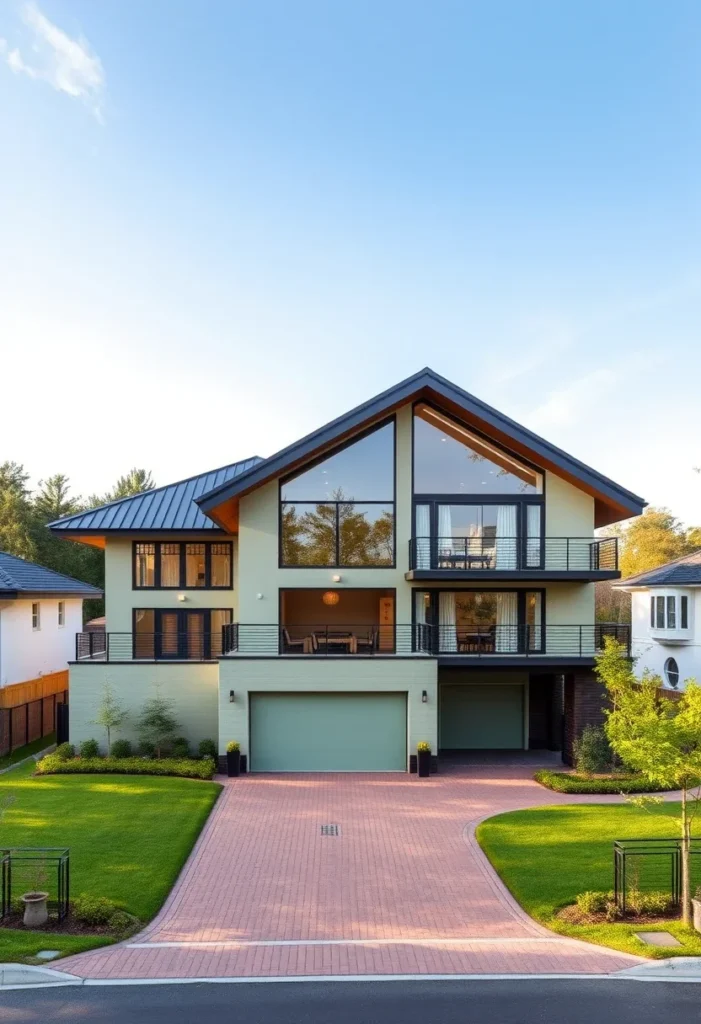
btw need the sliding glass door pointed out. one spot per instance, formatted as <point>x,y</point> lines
<point>482,622</point>
<point>459,535</point>
<point>178,635</point>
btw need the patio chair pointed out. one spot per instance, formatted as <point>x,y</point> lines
<point>367,642</point>
<point>289,643</point>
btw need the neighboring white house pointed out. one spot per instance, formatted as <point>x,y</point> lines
<point>40,613</point>
<point>666,620</point>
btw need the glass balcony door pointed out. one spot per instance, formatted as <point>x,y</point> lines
<point>463,536</point>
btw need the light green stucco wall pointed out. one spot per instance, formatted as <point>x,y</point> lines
<point>121,598</point>
<point>192,686</point>
<point>569,512</point>
<point>377,674</point>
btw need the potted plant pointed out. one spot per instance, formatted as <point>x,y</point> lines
<point>696,907</point>
<point>423,759</point>
<point>233,759</point>
<point>36,910</point>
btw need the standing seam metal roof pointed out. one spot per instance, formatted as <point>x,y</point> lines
<point>171,507</point>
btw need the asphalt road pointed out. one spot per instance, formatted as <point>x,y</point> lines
<point>400,1002</point>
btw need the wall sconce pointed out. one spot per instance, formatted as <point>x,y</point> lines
<point>336,578</point>
<point>232,696</point>
<point>259,597</point>
<point>424,697</point>
<point>182,597</point>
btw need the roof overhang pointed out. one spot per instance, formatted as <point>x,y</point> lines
<point>612,502</point>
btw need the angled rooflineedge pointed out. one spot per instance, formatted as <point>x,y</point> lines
<point>151,509</point>
<point>684,571</point>
<point>322,438</point>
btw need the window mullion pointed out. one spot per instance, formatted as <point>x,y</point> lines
<point>157,565</point>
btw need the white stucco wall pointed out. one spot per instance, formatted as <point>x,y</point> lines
<point>192,686</point>
<point>26,653</point>
<point>651,654</point>
<point>404,675</point>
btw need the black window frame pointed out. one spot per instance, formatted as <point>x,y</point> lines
<point>337,563</point>
<point>182,584</point>
<point>669,671</point>
<point>684,611</point>
<point>181,633</point>
<point>433,615</point>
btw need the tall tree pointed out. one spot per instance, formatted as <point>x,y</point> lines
<point>136,481</point>
<point>652,539</point>
<point>15,511</point>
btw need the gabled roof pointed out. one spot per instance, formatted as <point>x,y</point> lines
<point>18,577</point>
<point>613,502</point>
<point>680,572</point>
<point>164,508</point>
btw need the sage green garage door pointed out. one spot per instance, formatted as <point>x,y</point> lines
<point>481,717</point>
<point>328,732</point>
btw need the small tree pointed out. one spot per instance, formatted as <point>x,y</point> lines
<point>158,724</point>
<point>657,737</point>
<point>111,714</point>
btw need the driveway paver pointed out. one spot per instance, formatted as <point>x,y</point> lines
<point>403,888</point>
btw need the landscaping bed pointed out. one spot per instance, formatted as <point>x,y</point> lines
<point>612,782</point>
<point>128,836</point>
<point>182,767</point>
<point>548,856</point>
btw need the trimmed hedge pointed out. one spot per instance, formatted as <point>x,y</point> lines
<point>571,782</point>
<point>183,767</point>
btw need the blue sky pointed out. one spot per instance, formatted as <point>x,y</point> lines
<point>223,224</point>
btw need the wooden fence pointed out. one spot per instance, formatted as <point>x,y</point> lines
<point>28,722</point>
<point>34,689</point>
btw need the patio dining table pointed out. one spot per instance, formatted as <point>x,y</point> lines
<point>330,640</point>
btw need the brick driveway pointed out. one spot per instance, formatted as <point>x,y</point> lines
<point>403,889</point>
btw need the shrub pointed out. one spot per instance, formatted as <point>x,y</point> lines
<point>89,748</point>
<point>423,747</point>
<point>121,748</point>
<point>147,749</point>
<point>654,903</point>
<point>592,751</point>
<point>64,751</point>
<point>567,782</point>
<point>120,921</point>
<point>233,747</point>
<point>592,902</point>
<point>180,747</point>
<point>94,910</point>
<point>184,767</point>
<point>208,748</point>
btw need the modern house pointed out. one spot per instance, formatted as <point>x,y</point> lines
<point>40,613</point>
<point>665,611</point>
<point>421,568</point>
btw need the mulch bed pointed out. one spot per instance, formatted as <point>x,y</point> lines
<point>573,915</point>
<point>69,926</point>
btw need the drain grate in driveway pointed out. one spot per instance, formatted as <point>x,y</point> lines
<point>330,830</point>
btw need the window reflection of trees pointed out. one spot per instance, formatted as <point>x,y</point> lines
<point>343,532</point>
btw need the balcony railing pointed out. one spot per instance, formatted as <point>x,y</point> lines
<point>434,640</point>
<point>514,554</point>
<point>166,646</point>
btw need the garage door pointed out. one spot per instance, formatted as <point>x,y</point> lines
<point>481,717</point>
<point>328,732</point>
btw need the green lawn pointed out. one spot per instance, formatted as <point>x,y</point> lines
<point>547,856</point>
<point>128,836</point>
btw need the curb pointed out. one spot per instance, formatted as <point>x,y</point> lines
<point>24,976</point>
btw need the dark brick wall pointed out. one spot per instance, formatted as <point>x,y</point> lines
<point>585,699</point>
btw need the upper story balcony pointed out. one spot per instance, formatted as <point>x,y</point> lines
<point>499,558</point>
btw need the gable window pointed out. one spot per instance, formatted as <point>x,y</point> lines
<point>61,614</point>
<point>36,615</point>
<point>180,566</point>
<point>340,511</point>
<point>450,459</point>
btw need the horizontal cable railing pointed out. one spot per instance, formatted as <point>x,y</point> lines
<point>165,646</point>
<point>273,639</point>
<point>514,554</point>
<point>325,639</point>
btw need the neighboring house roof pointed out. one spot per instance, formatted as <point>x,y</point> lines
<point>613,502</point>
<point>18,577</point>
<point>681,572</point>
<point>164,508</point>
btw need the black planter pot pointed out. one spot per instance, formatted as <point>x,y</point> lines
<point>423,763</point>
<point>233,763</point>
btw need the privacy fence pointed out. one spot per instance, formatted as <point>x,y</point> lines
<point>28,722</point>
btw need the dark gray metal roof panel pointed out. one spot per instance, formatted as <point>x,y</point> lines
<point>403,391</point>
<point>171,507</point>
<point>684,571</point>
<point>19,576</point>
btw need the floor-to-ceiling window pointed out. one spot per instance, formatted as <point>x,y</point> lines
<point>482,621</point>
<point>476,506</point>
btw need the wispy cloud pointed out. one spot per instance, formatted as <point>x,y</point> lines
<point>68,65</point>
